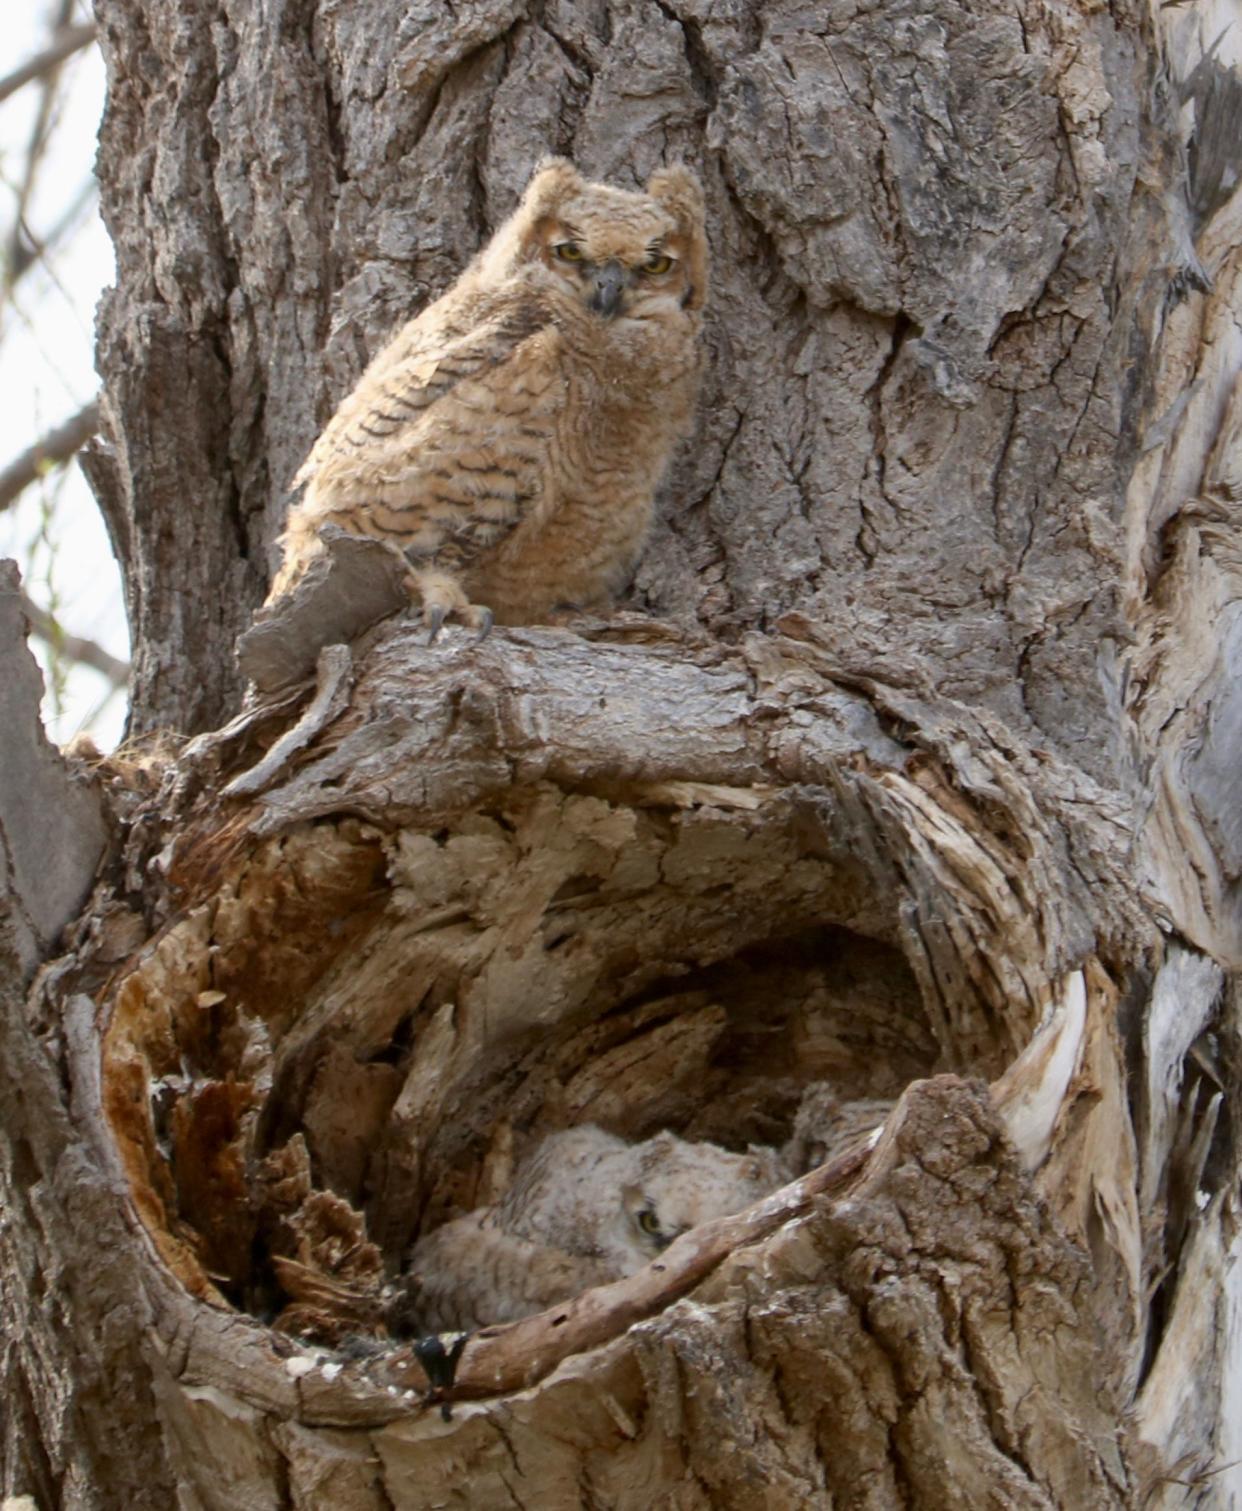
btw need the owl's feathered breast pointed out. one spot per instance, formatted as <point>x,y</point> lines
<point>528,449</point>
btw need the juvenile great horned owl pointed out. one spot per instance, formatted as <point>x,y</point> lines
<point>584,1209</point>
<point>509,440</point>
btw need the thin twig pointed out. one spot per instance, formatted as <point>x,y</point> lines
<point>64,46</point>
<point>28,249</point>
<point>52,450</point>
<point>75,647</point>
<point>39,134</point>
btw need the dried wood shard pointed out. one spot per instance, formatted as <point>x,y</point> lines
<point>353,585</point>
<point>331,698</point>
<point>51,820</point>
<point>1031,1093</point>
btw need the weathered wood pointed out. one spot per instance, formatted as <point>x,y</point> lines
<point>348,590</point>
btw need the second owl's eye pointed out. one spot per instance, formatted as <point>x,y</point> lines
<point>568,251</point>
<point>657,263</point>
<point>649,1222</point>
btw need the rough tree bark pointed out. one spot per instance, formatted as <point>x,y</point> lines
<point>909,764</point>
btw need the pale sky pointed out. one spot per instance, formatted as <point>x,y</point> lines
<point>47,374</point>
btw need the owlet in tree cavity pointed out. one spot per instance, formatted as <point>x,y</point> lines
<point>510,439</point>
<point>584,1209</point>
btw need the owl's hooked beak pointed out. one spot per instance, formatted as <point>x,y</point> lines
<point>609,286</point>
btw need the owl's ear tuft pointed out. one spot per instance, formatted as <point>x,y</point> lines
<point>554,168</point>
<point>554,181</point>
<point>678,190</point>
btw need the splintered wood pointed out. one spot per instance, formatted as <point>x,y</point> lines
<point>321,1028</point>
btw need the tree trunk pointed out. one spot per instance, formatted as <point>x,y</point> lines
<point>908,765</point>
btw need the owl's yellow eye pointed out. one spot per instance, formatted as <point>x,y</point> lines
<point>568,251</point>
<point>657,263</point>
<point>649,1222</point>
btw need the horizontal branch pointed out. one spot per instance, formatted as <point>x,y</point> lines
<point>76,647</point>
<point>52,450</point>
<point>69,41</point>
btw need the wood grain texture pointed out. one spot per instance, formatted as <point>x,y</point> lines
<point>52,831</point>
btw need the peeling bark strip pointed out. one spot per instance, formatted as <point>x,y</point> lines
<point>911,764</point>
<point>51,827</point>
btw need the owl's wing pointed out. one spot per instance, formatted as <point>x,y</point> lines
<point>424,364</point>
<point>444,446</point>
<point>469,1273</point>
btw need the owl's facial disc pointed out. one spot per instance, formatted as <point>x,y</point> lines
<point>614,279</point>
<point>601,282</point>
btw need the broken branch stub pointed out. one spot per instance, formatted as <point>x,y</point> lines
<point>353,585</point>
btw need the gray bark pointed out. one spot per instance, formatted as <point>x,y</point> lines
<point>74,1330</point>
<point>51,828</point>
<point>908,764</point>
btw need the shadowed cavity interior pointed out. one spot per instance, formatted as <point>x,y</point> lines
<point>361,1032</point>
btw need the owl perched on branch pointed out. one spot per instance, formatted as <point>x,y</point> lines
<point>584,1209</point>
<point>509,440</point>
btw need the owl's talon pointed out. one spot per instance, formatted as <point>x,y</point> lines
<point>485,621</point>
<point>434,619</point>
